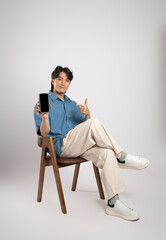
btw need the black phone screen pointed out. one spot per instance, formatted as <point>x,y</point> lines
<point>44,102</point>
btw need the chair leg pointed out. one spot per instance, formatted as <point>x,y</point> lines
<point>59,186</point>
<point>41,176</point>
<point>75,178</point>
<point>48,143</point>
<point>98,180</point>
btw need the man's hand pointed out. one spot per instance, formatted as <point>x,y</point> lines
<point>45,125</point>
<point>84,108</point>
<point>43,115</point>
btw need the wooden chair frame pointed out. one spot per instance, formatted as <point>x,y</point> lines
<point>56,163</point>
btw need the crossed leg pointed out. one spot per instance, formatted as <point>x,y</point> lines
<point>92,141</point>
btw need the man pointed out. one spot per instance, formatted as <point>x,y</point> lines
<point>76,134</point>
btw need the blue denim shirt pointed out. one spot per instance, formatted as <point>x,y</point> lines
<point>63,116</point>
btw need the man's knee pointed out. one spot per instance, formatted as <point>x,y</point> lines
<point>94,121</point>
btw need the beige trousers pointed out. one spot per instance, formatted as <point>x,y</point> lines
<point>92,141</point>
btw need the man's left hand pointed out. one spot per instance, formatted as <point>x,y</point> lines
<point>84,108</point>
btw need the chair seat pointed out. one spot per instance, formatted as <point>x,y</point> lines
<point>65,161</point>
<point>71,160</point>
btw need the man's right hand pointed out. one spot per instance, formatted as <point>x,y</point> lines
<point>43,115</point>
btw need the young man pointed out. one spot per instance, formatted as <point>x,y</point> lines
<point>76,134</point>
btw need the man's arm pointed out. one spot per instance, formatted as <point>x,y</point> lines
<point>45,127</point>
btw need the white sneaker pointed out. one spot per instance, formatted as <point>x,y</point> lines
<point>133,162</point>
<point>119,209</point>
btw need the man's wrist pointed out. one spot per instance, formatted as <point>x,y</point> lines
<point>45,118</point>
<point>87,116</point>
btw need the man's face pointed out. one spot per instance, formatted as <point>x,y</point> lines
<point>61,83</point>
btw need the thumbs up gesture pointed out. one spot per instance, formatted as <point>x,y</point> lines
<point>84,108</point>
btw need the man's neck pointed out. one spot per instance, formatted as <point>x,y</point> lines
<point>60,95</point>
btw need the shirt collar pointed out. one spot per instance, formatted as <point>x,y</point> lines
<point>54,97</point>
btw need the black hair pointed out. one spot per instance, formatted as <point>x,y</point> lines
<point>58,69</point>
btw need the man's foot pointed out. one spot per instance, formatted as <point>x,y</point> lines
<point>133,162</point>
<point>119,209</point>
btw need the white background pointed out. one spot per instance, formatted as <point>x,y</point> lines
<point>116,51</point>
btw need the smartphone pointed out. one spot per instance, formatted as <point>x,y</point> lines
<point>44,102</point>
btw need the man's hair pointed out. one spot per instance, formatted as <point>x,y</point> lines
<point>58,69</point>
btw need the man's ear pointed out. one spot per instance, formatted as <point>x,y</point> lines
<point>52,81</point>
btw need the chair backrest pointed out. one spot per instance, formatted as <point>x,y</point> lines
<point>39,140</point>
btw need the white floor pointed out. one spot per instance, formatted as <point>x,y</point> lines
<point>22,217</point>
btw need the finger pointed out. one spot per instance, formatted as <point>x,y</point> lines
<point>82,109</point>
<point>37,108</point>
<point>80,105</point>
<point>39,113</point>
<point>86,100</point>
<point>83,112</point>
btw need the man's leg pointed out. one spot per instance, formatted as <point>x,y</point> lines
<point>91,141</point>
<point>92,133</point>
<point>86,135</point>
<point>112,180</point>
<point>111,176</point>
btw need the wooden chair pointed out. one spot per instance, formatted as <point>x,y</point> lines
<point>48,160</point>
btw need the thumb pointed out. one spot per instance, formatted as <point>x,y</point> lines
<point>86,100</point>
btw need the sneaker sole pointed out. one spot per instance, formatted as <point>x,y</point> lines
<point>128,218</point>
